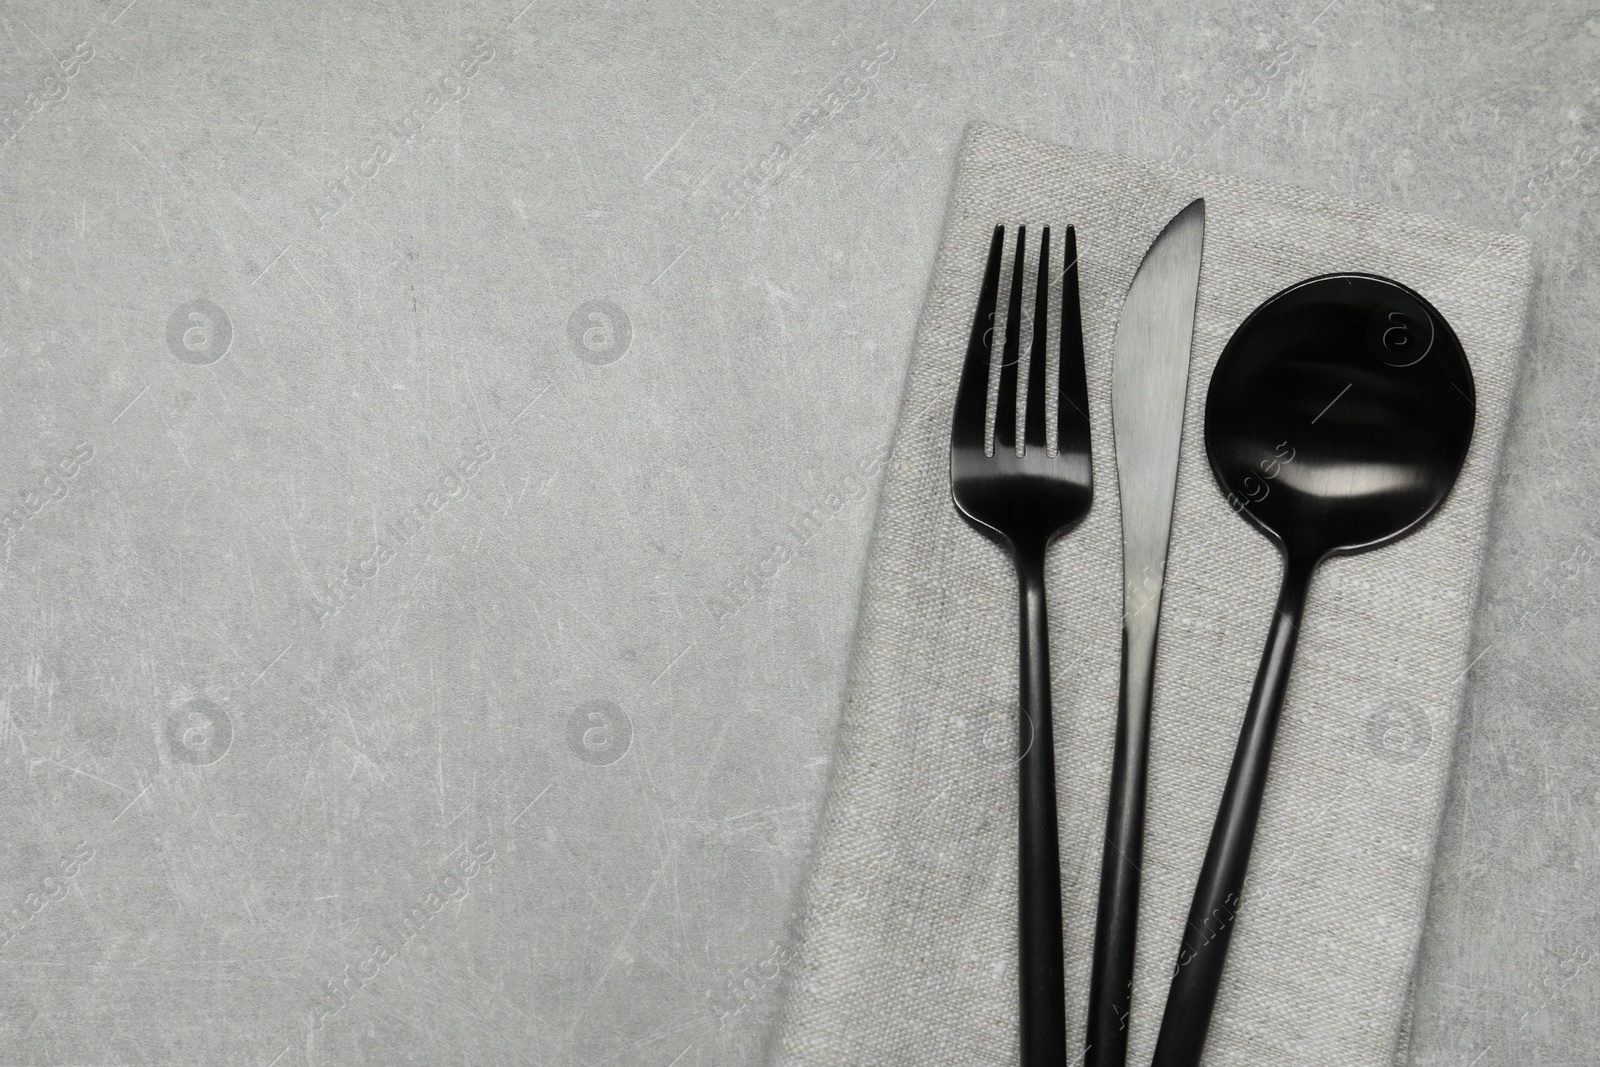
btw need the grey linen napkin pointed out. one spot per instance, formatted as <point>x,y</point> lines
<point>907,953</point>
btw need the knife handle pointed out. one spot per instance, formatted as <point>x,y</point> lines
<point>1220,887</point>
<point>1042,1005</point>
<point>1121,862</point>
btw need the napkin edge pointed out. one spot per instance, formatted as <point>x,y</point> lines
<point>800,910</point>
<point>1524,275</point>
<point>1517,244</point>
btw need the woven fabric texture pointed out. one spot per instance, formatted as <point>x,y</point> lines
<point>907,951</point>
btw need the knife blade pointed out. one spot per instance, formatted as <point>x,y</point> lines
<point>1149,387</point>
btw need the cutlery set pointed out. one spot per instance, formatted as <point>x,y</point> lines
<point>1337,419</point>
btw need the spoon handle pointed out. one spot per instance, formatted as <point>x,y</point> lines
<point>1198,973</point>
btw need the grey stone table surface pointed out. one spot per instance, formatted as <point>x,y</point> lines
<point>411,649</point>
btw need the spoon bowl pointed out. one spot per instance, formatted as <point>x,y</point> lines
<point>1338,418</point>
<point>1339,414</point>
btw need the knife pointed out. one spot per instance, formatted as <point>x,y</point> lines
<point>1149,384</point>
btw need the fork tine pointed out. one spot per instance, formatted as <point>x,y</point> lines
<point>1005,409</point>
<point>972,395</point>
<point>1033,434</point>
<point>1072,416</point>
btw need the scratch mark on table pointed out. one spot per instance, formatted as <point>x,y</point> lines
<point>674,263</point>
<point>530,404</point>
<point>671,150</point>
<point>532,802</point>
<point>274,662</point>
<point>269,266</point>
<point>674,663</point>
<point>131,803</point>
<point>130,403</point>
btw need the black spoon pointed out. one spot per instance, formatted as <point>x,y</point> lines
<point>1338,418</point>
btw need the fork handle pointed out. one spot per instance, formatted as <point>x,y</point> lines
<point>1042,1007</point>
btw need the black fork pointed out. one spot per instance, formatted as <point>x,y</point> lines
<point>1024,503</point>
